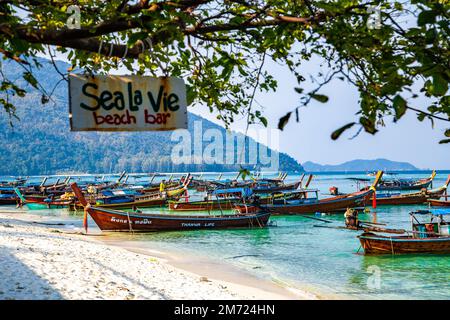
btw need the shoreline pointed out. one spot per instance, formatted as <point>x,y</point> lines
<point>234,277</point>
<point>36,252</point>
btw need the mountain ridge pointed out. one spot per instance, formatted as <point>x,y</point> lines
<point>361,165</point>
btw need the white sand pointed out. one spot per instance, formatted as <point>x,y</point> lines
<point>38,262</point>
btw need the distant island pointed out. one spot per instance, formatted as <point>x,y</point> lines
<point>360,165</point>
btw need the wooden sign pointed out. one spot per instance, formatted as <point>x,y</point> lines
<point>126,103</point>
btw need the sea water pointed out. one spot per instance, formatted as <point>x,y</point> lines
<point>305,253</point>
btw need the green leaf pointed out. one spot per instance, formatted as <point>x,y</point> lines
<point>299,90</point>
<point>337,133</point>
<point>263,121</point>
<point>440,85</point>
<point>319,97</point>
<point>30,79</point>
<point>426,17</point>
<point>399,106</point>
<point>447,133</point>
<point>444,141</point>
<point>283,121</point>
<point>369,125</point>
<point>137,36</point>
<point>421,116</point>
<point>191,95</point>
<point>243,172</point>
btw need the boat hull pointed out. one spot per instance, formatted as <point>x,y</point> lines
<point>403,188</point>
<point>439,203</point>
<point>111,220</point>
<point>375,244</point>
<point>398,201</point>
<point>8,201</point>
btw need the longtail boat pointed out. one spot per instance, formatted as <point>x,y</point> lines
<point>439,203</point>
<point>45,204</point>
<point>431,237</point>
<point>225,199</point>
<point>155,199</point>
<point>268,187</point>
<point>8,196</point>
<point>115,220</point>
<point>365,228</point>
<point>402,184</point>
<point>309,205</point>
<point>411,198</point>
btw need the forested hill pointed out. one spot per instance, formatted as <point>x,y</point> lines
<point>41,141</point>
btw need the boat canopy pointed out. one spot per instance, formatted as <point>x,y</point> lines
<point>440,212</point>
<point>245,192</point>
<point>110,193</point>
<point>434,212</point>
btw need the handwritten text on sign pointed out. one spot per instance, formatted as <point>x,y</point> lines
<point>126,103</point>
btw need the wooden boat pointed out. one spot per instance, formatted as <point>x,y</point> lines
<point>115,220</point>
<point>6,199</point>
<point>44,204</point>
<point>264,188</point>
<point>439,203</point>
<point>400,184</point>
<point>411,198</point>
<point>309,205</point>
<point>220,199</point>
<point>155,199</point>
<point>365,228</point>
<point>431,237</point>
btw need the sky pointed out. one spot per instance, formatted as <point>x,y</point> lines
<point>407,140</point>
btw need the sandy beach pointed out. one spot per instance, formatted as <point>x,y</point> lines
<point>42,261</point>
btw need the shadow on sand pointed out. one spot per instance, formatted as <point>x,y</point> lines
<point>19,282</point>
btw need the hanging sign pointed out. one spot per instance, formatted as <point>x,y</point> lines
<point>126,103</point>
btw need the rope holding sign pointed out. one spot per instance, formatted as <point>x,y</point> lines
<point>100,47</point>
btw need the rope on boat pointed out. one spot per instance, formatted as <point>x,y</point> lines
<point>129,222</point>
<point>85,217</point>
<point>392,246</point>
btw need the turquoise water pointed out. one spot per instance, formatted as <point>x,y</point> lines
<point>323,260</point>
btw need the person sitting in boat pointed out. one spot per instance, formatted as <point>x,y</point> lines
<point>91,189</point>
<point>429,227</point>
<point>351,218</point>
